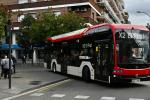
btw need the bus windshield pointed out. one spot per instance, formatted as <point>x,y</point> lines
<point>132,46</point>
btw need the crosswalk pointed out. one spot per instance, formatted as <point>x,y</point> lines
<point>135,99</point>
<point>81,97</point>
<point>58,95</point>
<point>108,98</point>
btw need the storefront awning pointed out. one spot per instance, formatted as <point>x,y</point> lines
<point>6,46</point>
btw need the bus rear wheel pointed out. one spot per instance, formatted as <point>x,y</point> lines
<point>86,74</point>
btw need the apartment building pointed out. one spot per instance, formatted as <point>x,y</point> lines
<point>94,11</point>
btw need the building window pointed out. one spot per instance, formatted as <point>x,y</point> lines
<point>22,1</point>
<point>33,0</point>
<point>57,13</point>
<point>93,15</point>
<point>20,18</point>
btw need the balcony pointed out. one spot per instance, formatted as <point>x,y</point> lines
<point>109,8</point>
<point>106,16</point>
<point>125,15</point>
<point>90,20</point>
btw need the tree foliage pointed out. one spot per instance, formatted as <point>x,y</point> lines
<point>47,24</point>
<point>25,38</point>
<point>3,19</point>
<point>71,21</point>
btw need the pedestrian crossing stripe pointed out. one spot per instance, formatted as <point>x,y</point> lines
<point>37,94</point>
<point>81,97</point>
<point>108,98</point>
<point>58,95</point>
<point>135,99</point>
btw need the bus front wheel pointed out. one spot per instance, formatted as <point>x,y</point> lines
<point>86,74</point>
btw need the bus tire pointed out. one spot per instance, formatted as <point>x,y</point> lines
<point>54,67</point>
<point>86,74</point>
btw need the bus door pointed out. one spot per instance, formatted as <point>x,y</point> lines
<point>103,60</point>
<point>64,60</point>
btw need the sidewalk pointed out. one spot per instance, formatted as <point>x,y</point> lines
<point>27,77</point>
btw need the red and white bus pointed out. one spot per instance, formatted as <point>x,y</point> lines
<point>104,52</point>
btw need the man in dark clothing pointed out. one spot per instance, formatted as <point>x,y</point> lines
<point>24,59</point>
<point>14,63</point>
<point>2,68</point>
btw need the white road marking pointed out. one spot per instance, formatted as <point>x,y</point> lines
<point>135,99</point>
<point>108,98</point>
<point>42,88</point>
<point>58,95</point>
<point>37,94</point>
<point>81,97</point>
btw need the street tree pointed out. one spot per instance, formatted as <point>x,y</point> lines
<point>36,31</point>
<point>24,39</point>
<point>45,25</point>
<point>71,22</point>
<point>3,20</point>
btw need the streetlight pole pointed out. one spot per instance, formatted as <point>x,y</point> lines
<point>148,26</point>
<point>9,35</point>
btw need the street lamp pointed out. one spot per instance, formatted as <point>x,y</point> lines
<point>148,26</point>
<point>143,13</point>
<point>9,35</point>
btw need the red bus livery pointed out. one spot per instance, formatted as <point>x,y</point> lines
<point>104,52</point>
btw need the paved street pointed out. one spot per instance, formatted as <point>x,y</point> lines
<point>79,90</point>
<point>28,77</point>
<point>28,84</point>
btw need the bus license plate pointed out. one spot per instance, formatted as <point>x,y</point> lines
<point>135,80</point>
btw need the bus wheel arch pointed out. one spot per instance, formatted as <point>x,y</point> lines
<point>86,74</point>
<point>90,68</point>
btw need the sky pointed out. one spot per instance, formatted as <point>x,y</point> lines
<point>132,6</point>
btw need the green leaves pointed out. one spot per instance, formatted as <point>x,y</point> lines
<point>3,20</point>
<point>72,22</point>
<point>47,24</point>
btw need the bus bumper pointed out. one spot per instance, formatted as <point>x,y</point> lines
<point>130,78</point>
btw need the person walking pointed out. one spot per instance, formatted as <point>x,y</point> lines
<point>14,63</point>
<point>2,67</point>
<point>5,63</point>
<point>24,60</point>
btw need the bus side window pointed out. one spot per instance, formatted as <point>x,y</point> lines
<point>74,58</point>
<point>91,52</point>
<point>84,52</point>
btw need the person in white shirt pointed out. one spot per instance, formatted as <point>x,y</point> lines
<point>5,63</point>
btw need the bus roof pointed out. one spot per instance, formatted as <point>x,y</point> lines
<point>80,33</point>
<point>67,36</point>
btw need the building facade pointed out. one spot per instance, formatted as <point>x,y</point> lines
<point>94,11</point>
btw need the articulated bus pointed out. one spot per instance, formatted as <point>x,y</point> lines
<point>103,52</point>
